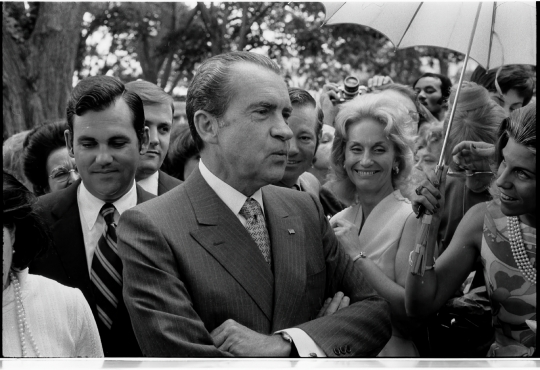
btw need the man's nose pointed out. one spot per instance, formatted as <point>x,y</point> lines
<point>153,135</point>
<point>293,148</point>
<point>73,176</point>
<point>104,157</point>
<point>282,130</point>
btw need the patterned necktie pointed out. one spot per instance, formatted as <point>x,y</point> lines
<point>106,272</point>
<point>256,226</point>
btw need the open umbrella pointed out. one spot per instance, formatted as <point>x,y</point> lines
<point>505,33</point>
<point>492,33</point>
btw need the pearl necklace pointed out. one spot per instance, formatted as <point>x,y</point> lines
<point>21,318</point>
<point>518,250</point>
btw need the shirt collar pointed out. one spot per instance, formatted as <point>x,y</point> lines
<point>229,195</point>
<point>150,184</point>
<point>92,205</point>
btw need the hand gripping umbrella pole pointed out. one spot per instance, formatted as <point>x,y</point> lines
<point>419,254</point>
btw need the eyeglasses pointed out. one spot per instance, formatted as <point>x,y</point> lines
<point>465,173</point>
<point>62,174</point>
<point>471,173</point>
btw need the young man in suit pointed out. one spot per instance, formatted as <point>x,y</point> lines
<point>158,114</point>
<point>106,136</point>
<point>224,265</point>
<point>306,123</point>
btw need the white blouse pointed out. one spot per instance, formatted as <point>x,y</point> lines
<point>60,320</point>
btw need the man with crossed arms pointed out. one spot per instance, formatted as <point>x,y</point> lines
<point>225,264</point>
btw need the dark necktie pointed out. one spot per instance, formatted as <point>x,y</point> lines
<point>256,226</point>
<point>106,272</point>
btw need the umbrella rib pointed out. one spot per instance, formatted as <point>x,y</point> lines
<point>337,10</point>
<point>493,16</point>
<point>409,25</point>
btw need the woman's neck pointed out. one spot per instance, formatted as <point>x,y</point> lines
<point>528,219</point>
<point>369,200</point>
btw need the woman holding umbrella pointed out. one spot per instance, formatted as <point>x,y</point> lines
<point>502,232</point>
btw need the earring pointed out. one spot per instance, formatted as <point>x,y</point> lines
<point>396,170</point>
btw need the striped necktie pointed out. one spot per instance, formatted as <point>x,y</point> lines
<point>256,226</point>
<point>106,272</point>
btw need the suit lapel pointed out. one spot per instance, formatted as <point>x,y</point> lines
<point>223,236</point>
<point>288,253</point>
<point>69,240</point>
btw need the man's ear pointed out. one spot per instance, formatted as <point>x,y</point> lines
<point>69,143</point>
<point>207,126</point>
<point>145,140</point>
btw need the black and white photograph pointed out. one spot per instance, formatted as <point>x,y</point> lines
<point>269,184</point>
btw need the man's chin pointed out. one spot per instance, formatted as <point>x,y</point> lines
<point>147,168</point>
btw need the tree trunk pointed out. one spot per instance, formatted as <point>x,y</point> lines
<point>38,75</point>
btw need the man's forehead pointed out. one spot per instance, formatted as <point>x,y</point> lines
<point>430,81</point>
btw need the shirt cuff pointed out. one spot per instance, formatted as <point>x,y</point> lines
<point>305,346</point>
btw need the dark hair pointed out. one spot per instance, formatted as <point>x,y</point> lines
<point>446,84</point>
<point>38,145</point>
<point>181,149</point>
<point>98,93</point>
<point>32,235</point>
<point>210,89</point>
<point>301,98</point>
<point>511,77</point>
<point>150,94</point>
<point>521,127</point>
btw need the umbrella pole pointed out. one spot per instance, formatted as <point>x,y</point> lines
<point>420,254</point>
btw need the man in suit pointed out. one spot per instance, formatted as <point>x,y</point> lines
<point>306,123</point>
<point>158,114</point>
<point>106,136</point>
<point>224,265</point>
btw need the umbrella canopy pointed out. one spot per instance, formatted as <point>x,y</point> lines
<point>505,34</point>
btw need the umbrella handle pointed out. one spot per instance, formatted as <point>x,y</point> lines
<point>438,174</point>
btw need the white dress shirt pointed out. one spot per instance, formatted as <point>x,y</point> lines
<point>92,222</point>
<point>150,184</point>
<point>235,200</point>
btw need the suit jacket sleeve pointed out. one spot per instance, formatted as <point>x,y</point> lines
<point>163,318</point>
<point>365,325</point>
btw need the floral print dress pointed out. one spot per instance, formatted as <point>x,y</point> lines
<point>513,297</point>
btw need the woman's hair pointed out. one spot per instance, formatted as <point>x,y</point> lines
<point>32,235</point>
<point>510,77</point>
<point>429,135</point>
<point>408,92</point>
<point>39,144</point>
<point>181,149</point>
<point>477,118</point>
<point>521,127</point>
<point>392,117</point>
<point>12,150</point>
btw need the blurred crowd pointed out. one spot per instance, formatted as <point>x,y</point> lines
<point>249,219</point>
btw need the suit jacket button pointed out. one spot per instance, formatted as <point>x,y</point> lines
<point>312,354</point>
<point>347,348</point>
<point>342,350</point>
<point>336,351</point>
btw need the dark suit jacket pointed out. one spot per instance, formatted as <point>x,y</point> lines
<point>189,265</point>
<point>166,182</point>
<point>66,263</point>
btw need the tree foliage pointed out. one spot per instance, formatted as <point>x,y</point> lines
<point>164,42</point>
